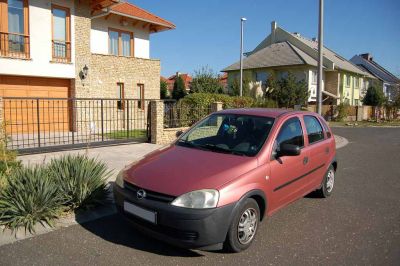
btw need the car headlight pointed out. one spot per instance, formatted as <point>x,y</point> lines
<point>199,199</point>
<point>120,179</point>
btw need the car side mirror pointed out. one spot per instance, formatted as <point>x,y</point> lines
<point>289,150</point>
<point>178,133</point>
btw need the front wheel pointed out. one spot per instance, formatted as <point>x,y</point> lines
<point>243,227</point>
<point>328,183</point>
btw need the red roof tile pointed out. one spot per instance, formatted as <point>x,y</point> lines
<point>134,11</point>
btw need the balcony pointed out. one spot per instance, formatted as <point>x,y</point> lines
<point>61,51</point>
<point>14,45</point>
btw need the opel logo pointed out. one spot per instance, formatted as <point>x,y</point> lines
<point>140,194</point>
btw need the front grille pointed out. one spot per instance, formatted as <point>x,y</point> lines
<point>166,230</point>
<point>150,194</point>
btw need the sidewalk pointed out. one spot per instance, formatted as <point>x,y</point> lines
<point>116,157</point>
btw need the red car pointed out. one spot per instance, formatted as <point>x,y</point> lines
<point>213,186</point>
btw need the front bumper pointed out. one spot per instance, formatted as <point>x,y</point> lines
<point>183,227</point>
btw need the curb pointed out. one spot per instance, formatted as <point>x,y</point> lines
<point>8,237</point>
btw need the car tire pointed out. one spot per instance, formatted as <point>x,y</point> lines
<point>327,183</point>
<point>247,218</point>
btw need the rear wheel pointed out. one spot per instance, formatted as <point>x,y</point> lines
<point>328,183</point>
<point>243,227</point>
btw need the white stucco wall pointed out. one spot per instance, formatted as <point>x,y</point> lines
<point>40,45</point>
<point>312,87</point>
<point>99,36</point>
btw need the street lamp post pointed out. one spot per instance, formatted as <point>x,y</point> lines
<point>242,20</point>
<point>320,55</point>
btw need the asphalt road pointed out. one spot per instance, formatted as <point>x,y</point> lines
<point>358,225</point>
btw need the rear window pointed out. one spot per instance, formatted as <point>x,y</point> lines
<point>314,129</point>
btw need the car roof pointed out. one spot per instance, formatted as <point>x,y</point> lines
<point>267,112</point>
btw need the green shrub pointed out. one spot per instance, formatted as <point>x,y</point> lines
<point>82,181</point>
<point>30,197</point>
<point>265,103</point>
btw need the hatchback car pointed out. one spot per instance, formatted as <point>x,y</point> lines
<point>213,186</point>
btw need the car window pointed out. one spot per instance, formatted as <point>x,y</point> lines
<point>229,133</point>
<point>314,129</point>
<point>326,128</point>
<point>290,133</point>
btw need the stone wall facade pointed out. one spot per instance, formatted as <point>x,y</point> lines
<point>108,70</point>
<point>105,71</point>
<point>104,74</point>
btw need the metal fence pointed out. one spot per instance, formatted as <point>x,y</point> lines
<point>53,123</point>
<point>179,114</point>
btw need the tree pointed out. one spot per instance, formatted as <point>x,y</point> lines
<point>206,81</point>
<point>234,88</point>
<point>179,90</point>
<point>163,89</point>
<point>287,92</point>
<point>374,97</point>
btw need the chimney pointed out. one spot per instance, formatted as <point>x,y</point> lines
<point>367,56</point>
<point>178,74</point>
<point>274,25</point>
<point>314,39</point>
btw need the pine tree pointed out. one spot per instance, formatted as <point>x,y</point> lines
<point>163,89</point>
<point>179,90</point>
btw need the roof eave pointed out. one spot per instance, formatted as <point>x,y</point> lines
<point>166,26</point>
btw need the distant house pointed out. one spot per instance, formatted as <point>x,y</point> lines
<point>389,83</point>
<point>223,80</point>
<point>282,51</point>
<point>187,79</point>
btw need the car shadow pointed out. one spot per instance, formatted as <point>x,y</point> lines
<point>116,229</point>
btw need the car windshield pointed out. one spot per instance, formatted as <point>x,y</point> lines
<point>229,133</point>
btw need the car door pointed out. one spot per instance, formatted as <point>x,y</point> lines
<point>318,147</point>
<point>287,171</point>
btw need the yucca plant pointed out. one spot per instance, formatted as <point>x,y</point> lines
<point>82,180</point>
<point>30,197</point>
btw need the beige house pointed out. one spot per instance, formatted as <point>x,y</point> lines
<point>282,51</point>
<point>76,49</point>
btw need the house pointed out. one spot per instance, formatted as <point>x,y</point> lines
<point>187,80</point>
<point>223,80</point>
<point>389,83</point>
<point>77,49</point>
<point>282,51</point>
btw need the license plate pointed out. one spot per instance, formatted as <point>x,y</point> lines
<point>140,212</point>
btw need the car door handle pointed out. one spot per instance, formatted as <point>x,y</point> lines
<point>305,160</point>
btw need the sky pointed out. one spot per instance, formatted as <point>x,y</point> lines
<point>208,31</point>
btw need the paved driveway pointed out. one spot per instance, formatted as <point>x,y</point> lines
<point>359,224</point>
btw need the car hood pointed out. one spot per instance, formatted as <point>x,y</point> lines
<point>177,170</point>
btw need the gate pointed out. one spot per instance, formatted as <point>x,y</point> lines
<point>49,124</point>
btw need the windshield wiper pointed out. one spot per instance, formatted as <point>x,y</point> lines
<point>213,147</point>
<point>186,143</point>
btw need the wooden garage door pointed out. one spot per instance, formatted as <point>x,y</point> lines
<point>28,115</point>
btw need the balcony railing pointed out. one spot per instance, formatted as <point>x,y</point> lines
<point>61,51</point>
<point>14,45</point>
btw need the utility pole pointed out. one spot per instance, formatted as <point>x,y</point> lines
<point>320,55</point>
<point>242,20</point>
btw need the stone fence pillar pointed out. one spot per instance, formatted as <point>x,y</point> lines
<point>217,106</point>
<point>156,120</point>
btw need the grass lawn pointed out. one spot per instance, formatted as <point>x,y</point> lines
<point>124,134</point>
<point>394,123</point>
